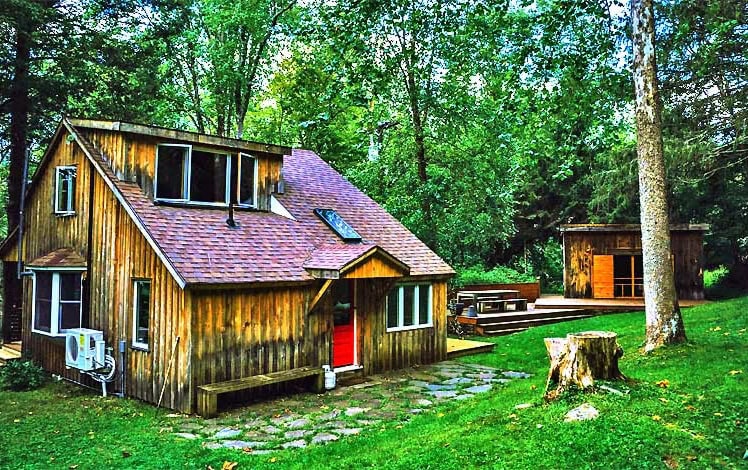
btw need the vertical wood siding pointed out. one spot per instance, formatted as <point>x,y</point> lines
<point>46,232</point>
<point>245,332</point>
<point>118,253</point>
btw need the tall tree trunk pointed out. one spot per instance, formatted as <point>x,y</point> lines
<point>19,116</point>
<point>663,317</point>
<point>420,150</point>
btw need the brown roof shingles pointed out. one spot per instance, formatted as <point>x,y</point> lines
<point>268,247</point>
<point>60,258</point>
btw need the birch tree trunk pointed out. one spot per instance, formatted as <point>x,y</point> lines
<point>663,317</point>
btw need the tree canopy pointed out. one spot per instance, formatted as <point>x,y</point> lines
<point>482,126</point>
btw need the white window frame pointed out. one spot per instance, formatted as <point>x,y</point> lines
<point>54,323</point>
<point>70,203</point>
<point>239,178</point>
<point>187,178</point>
<point>416,307</point>
<point>135,302</point>
<point>185,174</point>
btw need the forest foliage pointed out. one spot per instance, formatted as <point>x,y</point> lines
<point>482,126</point>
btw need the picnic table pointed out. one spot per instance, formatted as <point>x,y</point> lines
<point>481,298</point>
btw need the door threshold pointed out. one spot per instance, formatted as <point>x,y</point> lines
<point>351,368</point>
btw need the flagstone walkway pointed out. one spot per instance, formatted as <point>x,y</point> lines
<point>307,419</point>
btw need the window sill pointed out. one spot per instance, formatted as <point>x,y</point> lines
<point>140,348</point>
<point>206,205</point>
<point>65,214</point>
<point>60,336</point>
<point>409,328</point>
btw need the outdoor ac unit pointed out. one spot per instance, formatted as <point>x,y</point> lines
<point>84,349</point>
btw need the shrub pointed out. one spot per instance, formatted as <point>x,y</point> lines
<point>497,275</point>
<point>20,375</point>
<point>715,276</point>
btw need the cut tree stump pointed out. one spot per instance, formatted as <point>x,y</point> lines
<point>580,358</point>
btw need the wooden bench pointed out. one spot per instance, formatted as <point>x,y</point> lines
<point>207,395</point>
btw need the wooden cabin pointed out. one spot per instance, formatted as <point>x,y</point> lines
<point>213,259</point>
<point>605,261</point>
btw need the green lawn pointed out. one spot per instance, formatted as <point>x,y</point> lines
<point>697,421</point>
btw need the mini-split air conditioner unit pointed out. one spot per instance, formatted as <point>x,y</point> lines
<point>84,349</point>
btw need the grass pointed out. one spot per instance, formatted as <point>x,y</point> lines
<point>698,421</point>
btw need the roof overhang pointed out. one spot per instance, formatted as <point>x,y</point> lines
<point>184,136</point>
<point>354,262</point>
<point>629,228</point>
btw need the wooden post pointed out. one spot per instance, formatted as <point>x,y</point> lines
<point>580,358</point>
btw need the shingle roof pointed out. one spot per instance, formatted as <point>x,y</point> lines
<point>268,247</point>
<point>63,257</point>
<point>336,257</point>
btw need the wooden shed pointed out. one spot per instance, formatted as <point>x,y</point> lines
<point>225,258</point>
<point>605,261</point>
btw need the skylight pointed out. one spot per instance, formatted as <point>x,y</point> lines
<point>340,226</point>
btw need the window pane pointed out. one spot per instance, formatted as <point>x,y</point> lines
<point>424,309</point>
<point>43,302</point>
<point>70,286</point>
<point>70,315</point>
<point>247,181</point>
<point>65,188</point>
<point>408,298</point>
<point>170,173</point>
<point>208,177</point>
<point>392,303</point>
<point>142,310</point>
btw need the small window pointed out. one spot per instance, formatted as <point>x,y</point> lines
<point>65,189</point>
<point>188,175</point>
<point>141,313</point>
<point>247,178</point>
<point>57,302</point>
<point>171,165</point>
<point>209,177</point>
<point>409,306</point>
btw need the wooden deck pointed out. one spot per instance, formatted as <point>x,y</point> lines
<point>464,347</point>
<point>9,351</point>
<point>601,305</point>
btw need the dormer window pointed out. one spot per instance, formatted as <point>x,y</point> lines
<point>65,190</point>
<point>188,175</point>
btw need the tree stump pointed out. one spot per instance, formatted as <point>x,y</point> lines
<point>580,358</point>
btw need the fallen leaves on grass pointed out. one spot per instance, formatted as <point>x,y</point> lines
<point>735,372</point>
<point>656,418</point>
<point>664,383</point>
<point>229,465</point>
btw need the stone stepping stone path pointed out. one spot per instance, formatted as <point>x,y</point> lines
<point>383,401</point>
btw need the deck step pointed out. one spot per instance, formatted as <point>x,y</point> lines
<point>507,327</point>
<point>8,352</point>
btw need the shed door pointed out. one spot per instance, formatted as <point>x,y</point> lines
<point>344,325</point>
<point>602,277</point>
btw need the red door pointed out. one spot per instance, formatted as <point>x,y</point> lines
<point>343,333</point>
